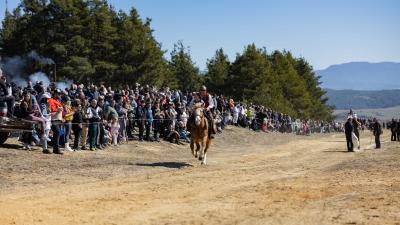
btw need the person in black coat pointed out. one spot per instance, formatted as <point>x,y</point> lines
<point>377,129</point>
<point>348,130</point>
<point>393,130</point>
<point>398,130</point>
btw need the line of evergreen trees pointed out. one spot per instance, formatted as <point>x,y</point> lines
<point>92,42</point>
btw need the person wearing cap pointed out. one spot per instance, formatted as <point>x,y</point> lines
<point>53,87</point>
<point>377,131</point>
<point>56,112</point>
<point>348,130</point>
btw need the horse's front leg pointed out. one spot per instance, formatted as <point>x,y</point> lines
<point>204,147</point>
<point>192,147</point>
<point>197,149</point>
<point>207,145</point>
<point>201,153</point>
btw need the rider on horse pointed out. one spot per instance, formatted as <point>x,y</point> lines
<point>206,100</point>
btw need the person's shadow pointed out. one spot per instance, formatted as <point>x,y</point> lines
<point>343,151</point>
<point>171,165</point>
<point>11,146</point>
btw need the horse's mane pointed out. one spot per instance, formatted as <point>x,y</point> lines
<point>197,105</point>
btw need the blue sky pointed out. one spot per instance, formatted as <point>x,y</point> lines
<point>325,32</point>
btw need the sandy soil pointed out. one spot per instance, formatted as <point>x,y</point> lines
<point>251,178</point>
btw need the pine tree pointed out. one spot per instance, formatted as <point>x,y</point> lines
<point>253,79</point>
<point>320,109</point>
<point>218,69</point>
<point>293,86</point>
<point>183,68</point>
<point>90,41</point>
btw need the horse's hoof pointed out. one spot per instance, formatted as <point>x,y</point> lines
<point>201,158</point>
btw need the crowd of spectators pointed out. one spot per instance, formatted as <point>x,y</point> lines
<point>90,117</point>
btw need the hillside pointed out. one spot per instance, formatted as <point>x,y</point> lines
<point>361,76</point>
<point>345,99</point>
<point>383,114</point>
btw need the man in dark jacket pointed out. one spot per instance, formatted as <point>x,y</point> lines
<point>398,129</point>
<point>393,130</point>
<point>348,130</point>
<point>377,129</point>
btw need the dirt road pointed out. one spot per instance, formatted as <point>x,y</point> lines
<point>251,178</point>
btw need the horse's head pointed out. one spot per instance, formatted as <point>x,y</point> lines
<point>198,115</point>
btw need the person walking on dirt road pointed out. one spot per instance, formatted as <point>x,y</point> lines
<point>377,129</point>
<point>348,130</point>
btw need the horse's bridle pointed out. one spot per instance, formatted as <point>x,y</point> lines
<point>198,111</point>
<point>198,114</point>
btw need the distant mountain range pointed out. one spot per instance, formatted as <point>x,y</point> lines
<point>382,114</point>
<point>346,99</point>
<point>361,76</point>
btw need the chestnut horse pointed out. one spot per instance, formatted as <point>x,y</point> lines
<point>199,135</point>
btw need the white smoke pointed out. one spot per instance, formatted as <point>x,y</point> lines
<point>15,69</point>
<point>63,85</point>
<point>39,76</point>
<point>40,59</point>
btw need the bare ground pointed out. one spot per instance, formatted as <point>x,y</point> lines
<point>251,178</point>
